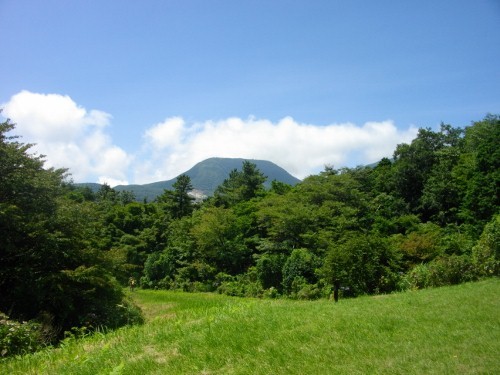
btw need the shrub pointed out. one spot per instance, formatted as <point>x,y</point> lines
<point>239,286</point>
<point>270,270</point>
<point>89,297</point>
<point>19,338</point>
<point>299,268</point>
<point>486,254</point>
<point>362,263</point>
<point>441,271</point>
<point>272,293</point>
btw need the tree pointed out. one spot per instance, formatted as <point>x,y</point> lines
<point>478,172</point>
<point>413,164</point>
<point>219,239</point>
<point>252,180</point>
<point>486,254</point>
<point>48,262</point>
<point>363,263</point>
<point>300,265</point>
<point>240,185</point>
<point>28,204</point>
<point>106,194</point>
<point>183,204</point>
<point>440,198</point>
<point>178,201</point>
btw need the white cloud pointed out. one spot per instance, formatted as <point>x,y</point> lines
<point>301,149</point>
<point>76,138</point>
<point>69,135</point>
<point>166,134</point>
<point>111,181</point>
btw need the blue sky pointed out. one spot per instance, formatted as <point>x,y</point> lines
<point>139,91</point>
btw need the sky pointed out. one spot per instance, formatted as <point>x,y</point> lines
<point>130,91</point>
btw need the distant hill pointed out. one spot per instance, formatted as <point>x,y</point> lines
<point>206,176</point>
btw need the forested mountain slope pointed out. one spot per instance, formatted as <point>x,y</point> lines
<point>206,176</point>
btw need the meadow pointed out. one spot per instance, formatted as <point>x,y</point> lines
<point>447,330</point>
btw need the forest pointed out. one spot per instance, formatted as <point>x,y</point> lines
<point>428,216</point>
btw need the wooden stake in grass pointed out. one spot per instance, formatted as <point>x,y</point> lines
<point>336,287</point>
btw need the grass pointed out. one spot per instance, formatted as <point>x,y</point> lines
<point>451,330</point>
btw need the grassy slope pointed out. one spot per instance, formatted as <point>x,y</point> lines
<point>446,330</point>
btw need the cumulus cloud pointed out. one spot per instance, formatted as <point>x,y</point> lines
<point>69,135</point>
<point>302,149</point>
<point>76,138</point>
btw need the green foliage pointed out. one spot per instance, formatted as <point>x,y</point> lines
<point>362,264</point>
<point>87,296</point>
<point>298,270</point>
<point>428,217</point>
<point>157,267</point>
<point>414,163</point>
<point>364,227</point>
<point>420,245</point>
<point>480,171</point>
<point>244,285</point>
<point>240,185</point>
<point>447,270</point>
<point>279,187</point>
<point>486,254</point>
<point>49,245</point>
<point>270,270</point>
<point>19,338</point>
<point>178,201</point>
<point>218,236</point>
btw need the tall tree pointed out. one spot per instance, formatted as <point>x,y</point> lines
<point>178,201</point>
<point>240,185</point>
<point>479,171</point>
<point>47,260</point>
<point>183,201</point>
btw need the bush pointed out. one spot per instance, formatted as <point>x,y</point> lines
<point>441,271</point>
<point>88,297</point>
<point>365,264</point>
<point>301,265</point>
<point>245,285</point>
<point>232,288</point>
<point>486,254</point>
<point>272,293</point>
<point>19,338</point>
<point>309,291</point>
<point>270,270</point>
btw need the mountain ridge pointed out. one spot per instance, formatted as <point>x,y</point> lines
<point>206,176</point>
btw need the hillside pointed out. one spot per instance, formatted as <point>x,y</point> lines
<point>206,176</point>
<point>449,330</point>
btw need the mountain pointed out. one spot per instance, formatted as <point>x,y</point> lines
<point>206,176</point>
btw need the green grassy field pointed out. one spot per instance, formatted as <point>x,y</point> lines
<point>451,330</point>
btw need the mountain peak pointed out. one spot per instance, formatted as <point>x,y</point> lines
<point>208,174</point>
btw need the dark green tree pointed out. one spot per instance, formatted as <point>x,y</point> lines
<point>300,265</point>
<point>478,172</point>
<point>240,185</point>
<point>178,201</point>
<point>48,260</point>
<point>365,264</point>
<point>413,165</point>
<point>183,204</point>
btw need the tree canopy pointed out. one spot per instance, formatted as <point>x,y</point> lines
<point>427,217</point>
<point>50,266</point>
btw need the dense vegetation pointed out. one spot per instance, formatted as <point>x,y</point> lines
<point>448,330</point>
<point>427,217</point>
<point>53,270</point>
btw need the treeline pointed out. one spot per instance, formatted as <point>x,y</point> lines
<point>427,217</point>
